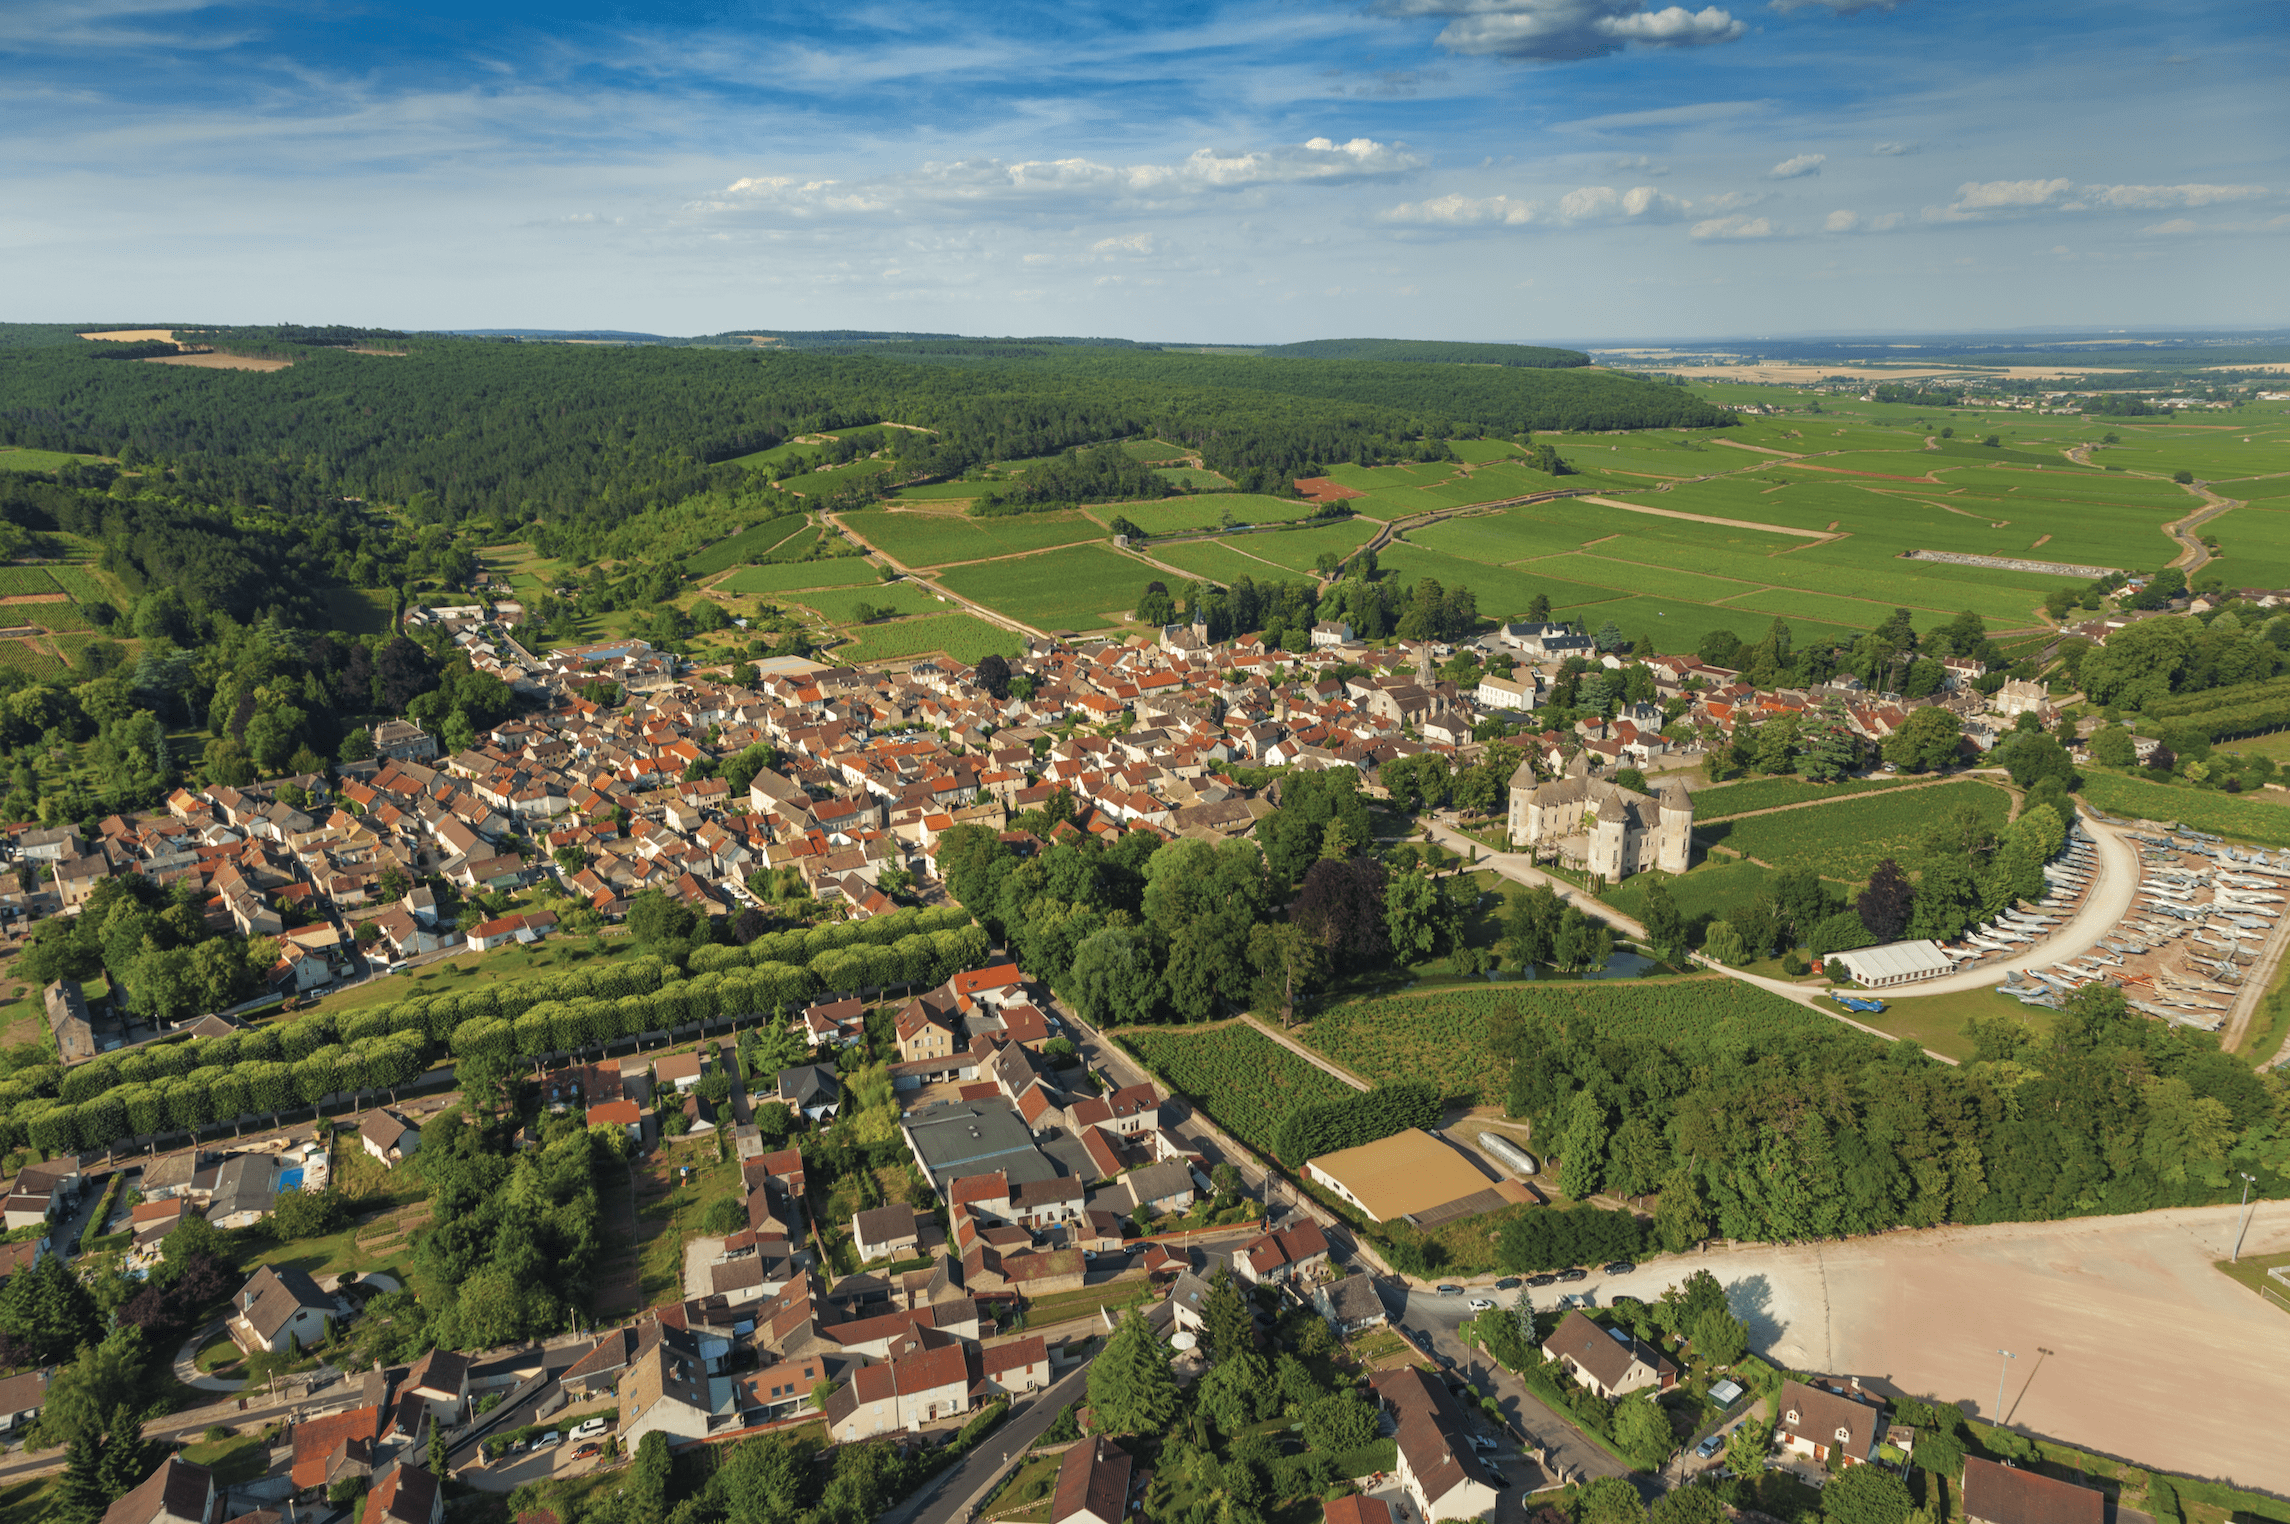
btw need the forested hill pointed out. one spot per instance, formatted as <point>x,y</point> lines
<point>583,436</point>
<point>1434,351</point>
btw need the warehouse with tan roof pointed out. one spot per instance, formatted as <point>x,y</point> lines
<point>1409,1174</point>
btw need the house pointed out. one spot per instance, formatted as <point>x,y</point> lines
<point>1356,1509</point>
<point>668,1387</point>
<point>1999,1494</point>
<point>923,1033</point>
<point>913,1390</point>
<point>624,1114</point>
<point>812,1090</point>
<point>1497,692</point>
<point>403,741</point>
<point>40,1192</point>
<point>388,1137</point>
<point>68,1020</point>
<point>406,1494</point>
<point>22,1397</point>
<point>1293,1252</point>
<point>1825,1423</point>
<point>1443,1476</point>
<point>683,1070</point>
<point>1018,1367</point>
<point>1094,1484</point>
<point>1331,632</point>
<point>1606,1360</point>
<point>1351,1304</point>
<point>886,1231</point>
<point>1160,1188</point>
<point>278,1310</point>
<point>332,1446</point>
<point>441,1380</point>
<point>177,1493</point>
<point>245,1189</point>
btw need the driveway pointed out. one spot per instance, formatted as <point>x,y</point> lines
<point>1573,1456</point>
<point>187,1363</point>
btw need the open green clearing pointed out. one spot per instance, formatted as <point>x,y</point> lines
<point>938,539</point>
<point>2252,820</point>
<point>1937,1021</point>
<point>1082,587</point>
<point>1175,514</point>
<point>780,452</point>
<point>1844,841</point>
<point>1242,1078</point>
<point>1443,1037</point>
<point>1193,477</point>
<point>964,637</point>
<point>14,459</point>
<point>766,541</point>
<point>1155,451</point>
<point>1772,793</point>
<point>942,492</point>
<point>841,604</point>
<point>1222,560</point>
<point>842,571</point>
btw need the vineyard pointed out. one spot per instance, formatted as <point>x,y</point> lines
<point>1772,793</point>
<point>2243,819</point>
<point>1442,1039</point>
<point>1846,841</point>
<point>1243,1079</point>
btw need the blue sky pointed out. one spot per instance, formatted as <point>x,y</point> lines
<point>1253,171</point>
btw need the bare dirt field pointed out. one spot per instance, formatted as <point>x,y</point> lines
<point>213,361</point>
<point>133,335</point>
<point>2128,1341</point>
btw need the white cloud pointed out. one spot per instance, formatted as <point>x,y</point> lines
<point>1894,150</point>
<point>995,183</point>
<point>1796,169</point>
<point>1466,211</point>
<point>1976,197</point>
<point>1733,227</point>
<point>2155,197</point>
<point>2178,227</point>
<point>1132,243</point>
<point>1603,203</point>
<point>1842,221</point>
<point>1556,30</point>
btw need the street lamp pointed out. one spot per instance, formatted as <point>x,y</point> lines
<point>2242,1219</point>
<point>2008,1358</point>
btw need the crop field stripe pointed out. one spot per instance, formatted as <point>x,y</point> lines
<point>843,571</point>
<point>964,637</point>
<point>1847,839</point>
<point>1244,1080</point>
<point>1770,793</point>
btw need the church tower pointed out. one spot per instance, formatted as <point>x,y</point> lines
<point>1423,676</point>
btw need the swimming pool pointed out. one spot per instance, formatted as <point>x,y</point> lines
<point>290,1180</point>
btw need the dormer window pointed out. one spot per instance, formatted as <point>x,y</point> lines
<point>1791,1416</point>
<point>1844,1436</point>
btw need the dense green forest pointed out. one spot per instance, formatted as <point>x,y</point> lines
<point>579,439</point>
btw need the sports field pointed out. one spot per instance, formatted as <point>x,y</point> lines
<point>1082,587</point>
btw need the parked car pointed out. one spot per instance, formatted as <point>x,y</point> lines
<point>1574,1275</point>
<point>1451,1291</point>
<point>1620,1267</point>
<point>1482,1444</point>
<point>1481,1304</point>
<point>1507,1283</point>
<point>1710,1446</point>
<point>548,1439</point>
<point>1542,1280</point>
<point>587,1451</point>
<point>1089,1254</point>
<point>591,1429</point>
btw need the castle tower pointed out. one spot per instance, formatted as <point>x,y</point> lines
<point>1676,848</point>
<point>1607,838</point>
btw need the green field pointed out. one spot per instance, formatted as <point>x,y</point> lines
<point>2254,820</point>
<point>840,604</point>
<point>1224,560</point>
<point>1772,793</point>
<point>1193,478</point>
<point>1155,451</point>
<point>1206,511</point>
<point>964,637</point>
<point>13,459</point>
<point>941,539</point>
<point>19,655</point>
<point>757,543</point>
<point>1844,841</point>
<point>359,610</point>
<point>1082,587</point>
<point>842,571</point>
<point>942,492</point>
<point>25,581</point>
<point>1239,1076</point>
<point>81,583</point>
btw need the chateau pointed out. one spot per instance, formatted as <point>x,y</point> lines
<point>1602,827</point>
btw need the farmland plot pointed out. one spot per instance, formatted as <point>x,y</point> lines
<point>1243,1079</point>
<point>965,637</point>
<point>843,571</point>
<point>1846,840</point>
<point>1081,587</point>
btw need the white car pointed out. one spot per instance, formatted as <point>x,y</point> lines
<point>1481,1304</point>
<point>589,1430</point>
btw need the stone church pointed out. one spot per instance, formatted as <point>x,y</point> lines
<point>1601,827</point>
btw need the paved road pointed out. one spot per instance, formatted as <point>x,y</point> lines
<point>952,1496</point>
<point>1573,1456</point>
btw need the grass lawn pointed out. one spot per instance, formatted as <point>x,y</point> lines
<point>359,610</point>
<point>29,1502</point>
<point>1044,1312</point>
<point>1026,1497</point>
<point>1937,1021</point>
<point>2267,1023</point>
<point>219,1352</point>
<point>667,1222</point>
<point>2251,1271</point>
<point>241,1458</point>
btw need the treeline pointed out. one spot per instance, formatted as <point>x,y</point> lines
<point>1429,351</point>
<point>1310,1131</point>
<point>1103,474</point>
<point>1807,1130</point>
<point>581,439</point>
<point>2150,664</point>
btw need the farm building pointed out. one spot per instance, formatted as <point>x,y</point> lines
<point>1408,1174</point>
<point>1894,963</point>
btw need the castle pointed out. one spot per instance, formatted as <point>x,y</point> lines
<point>1602,827</point>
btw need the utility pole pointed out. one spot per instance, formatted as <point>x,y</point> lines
<point>2242,1219</point>
<point>2008,1358</point>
